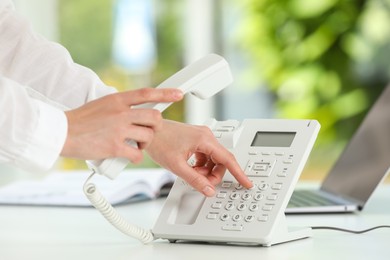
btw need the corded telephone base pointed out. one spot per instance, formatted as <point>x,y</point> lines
<point>272,154</point>
<point>282,234</point>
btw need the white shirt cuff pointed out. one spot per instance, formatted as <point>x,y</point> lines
<point>47,141</point>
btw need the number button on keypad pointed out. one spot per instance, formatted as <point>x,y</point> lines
<point>234,195</point>
<point>229,206</point>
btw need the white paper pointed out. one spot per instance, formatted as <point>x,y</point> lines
<point>65,188</point>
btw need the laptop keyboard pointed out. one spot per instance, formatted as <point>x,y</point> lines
<point>308,198</point>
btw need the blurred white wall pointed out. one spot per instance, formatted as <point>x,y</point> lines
<point>43,15</point>
<point>198,42</point>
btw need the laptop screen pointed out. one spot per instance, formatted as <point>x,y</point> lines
<point>366,159</point>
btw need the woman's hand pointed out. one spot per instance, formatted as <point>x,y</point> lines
<point>100,128</point>
<point>175,143</point>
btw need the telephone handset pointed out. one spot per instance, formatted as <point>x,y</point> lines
<point>203,79</point>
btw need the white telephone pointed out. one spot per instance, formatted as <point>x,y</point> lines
<point>272,153</point>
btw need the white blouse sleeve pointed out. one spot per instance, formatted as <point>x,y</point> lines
<point>38,81</point>
<point>32,133</point>
<point>44,66</point>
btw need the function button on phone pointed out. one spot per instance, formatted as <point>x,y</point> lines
<point>212,216</point>
<point>267,207</point>
<point>226,184</point>
<point>259,168</point>
<point>232,228</point>
<point>288,161</point>
<point>263,218</point>
<point>217,205</point>
<point>277,186</point>
<point>279,153</point>
<point>272,197</point>
<point>221,194</point>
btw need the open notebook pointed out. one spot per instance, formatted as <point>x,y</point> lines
<point>65,188</point>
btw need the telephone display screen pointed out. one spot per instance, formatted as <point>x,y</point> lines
<point>273,139</point>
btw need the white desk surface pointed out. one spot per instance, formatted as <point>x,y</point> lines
<point>82,233</point>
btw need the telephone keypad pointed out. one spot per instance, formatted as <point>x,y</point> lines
<point>239,206</point>
<point>236,206</point>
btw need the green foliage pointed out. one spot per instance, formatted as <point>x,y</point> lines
<point>304,51</point>
<point>86,29</point>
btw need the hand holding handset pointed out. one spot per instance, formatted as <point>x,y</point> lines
<point>203,79</point>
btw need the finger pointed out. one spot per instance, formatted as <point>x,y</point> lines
<point>193,178</point>
<point>214,173</point>
<point>200,160</point>
<point>222,156</point>
<point>132,153</point>
<point>145,117</point>
<point>217,173</point>
<point>147,95</point>
<point>140,134</point>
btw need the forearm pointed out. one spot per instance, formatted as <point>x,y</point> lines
<point>44,66</point>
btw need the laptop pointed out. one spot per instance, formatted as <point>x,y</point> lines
<point>362,166</point>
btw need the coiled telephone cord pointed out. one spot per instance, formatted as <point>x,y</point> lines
<point>112,216</point>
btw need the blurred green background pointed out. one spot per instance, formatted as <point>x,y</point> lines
<point>325,59</point>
